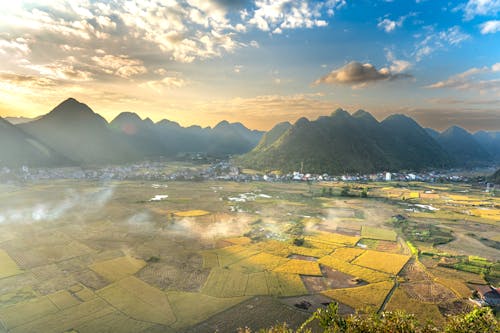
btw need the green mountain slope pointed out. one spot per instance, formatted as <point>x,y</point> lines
<point>463,147</point>
<point>343,143</point>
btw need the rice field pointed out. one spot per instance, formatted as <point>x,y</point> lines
<point>260,262</point>
<point>138,300</point>
<point>390,263</point>
<point>400,301</point>
<point>302,267</point>
<point>193,308</point>
<point>378,233</point>
<point>366,274</point>
<point>192,213</point>
<point>130,267</point>
<point>8,267</point>
<point>119,268</point>
<point>347,254</point>
<point>369,297</point>
<point>333,239</point>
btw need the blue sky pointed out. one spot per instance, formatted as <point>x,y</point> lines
<point>258,62</point>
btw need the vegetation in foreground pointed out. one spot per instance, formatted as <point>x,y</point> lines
<point>328,320</point>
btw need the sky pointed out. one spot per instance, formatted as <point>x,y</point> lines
<point>257,62</point>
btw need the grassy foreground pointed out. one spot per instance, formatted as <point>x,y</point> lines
<point>329,321</point>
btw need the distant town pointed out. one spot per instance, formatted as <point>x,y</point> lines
<point>225,170</point>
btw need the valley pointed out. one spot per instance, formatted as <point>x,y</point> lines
<point>178,256</point>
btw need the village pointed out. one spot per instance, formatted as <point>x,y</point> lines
<point>225,170</point>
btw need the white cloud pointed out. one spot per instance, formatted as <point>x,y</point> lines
<point>278,15</point>
<point>470,80</point>
<point>397,65</point>
<point>481,7</point>
<point>433,41</point>
<point>120,65</point>
<point>168,82</point>
<point>490,27</point>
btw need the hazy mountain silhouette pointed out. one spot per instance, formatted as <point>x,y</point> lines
<point>463,147</point>
<point>19,148</point>
<point>337,143</point>
<point>490,141</point>
<point>19,120</point>
<point>78,133</point>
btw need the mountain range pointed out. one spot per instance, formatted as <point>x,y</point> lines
<point>73,134</point>
<point>76,135</point>
<point>343,143</point>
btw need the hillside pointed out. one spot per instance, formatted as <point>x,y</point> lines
<point>495,178</point>
<point>18,148</point>
<point>463,147</point>
<point>75,131</point>
<point>342,143</point>
<point>490,141</point>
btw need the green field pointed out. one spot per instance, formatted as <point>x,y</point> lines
<point>378,233</point>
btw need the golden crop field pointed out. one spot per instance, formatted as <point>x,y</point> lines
<point>259,262</point>
<point>192,213</point>
<point>272,246</point>
<point>308,251</point>
<point>8,267</point>
<point>390,263</point>
<point>257,284</point>
<point>71,318</point>
<point>192,308</point>
<point>458,287</point>
<point>139,300</point>
<point>119,268</point>
<point>370,296</point>
<point>63,299</point>
<point>302,267</point>
<point>223,282</point>
<point>285,284</point>
<point>232,254</point>
<point>119,321</point>
<point>366,274</point>
<point>20,313</point>
<point>347,253</point>
<point>333,238</point>
<point>401,301</point>
<point>491,214</point>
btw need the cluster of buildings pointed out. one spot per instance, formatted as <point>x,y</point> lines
<point>216,170</point>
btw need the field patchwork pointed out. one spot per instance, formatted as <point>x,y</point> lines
<point>366,274</point>
<point>139,300</point>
